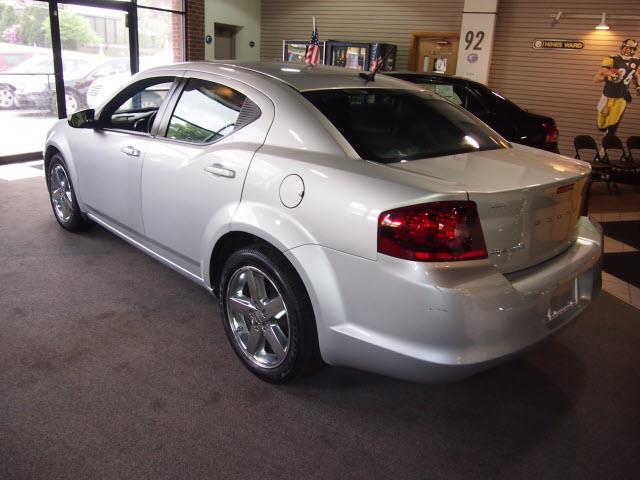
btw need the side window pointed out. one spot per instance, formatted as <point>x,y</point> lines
<point>476,105</point>
<point>137,107</point>
<point>447,91</point>
<point>208,111</point>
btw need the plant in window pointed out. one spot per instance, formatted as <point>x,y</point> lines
<point>75,30</point>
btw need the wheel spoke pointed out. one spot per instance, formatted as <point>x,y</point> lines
<point>65,210</point>
<point>66,196</point>
<point>276,339</point>
<point>274,308</point>
<point>61,175</point>
<point>241,305</point>
<point>257,288</point>
<point>254,340</point>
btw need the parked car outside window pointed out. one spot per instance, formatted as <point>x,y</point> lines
<point>37,90</point>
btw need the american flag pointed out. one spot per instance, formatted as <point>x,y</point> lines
<point>377,58</point>
<point>313,50</point>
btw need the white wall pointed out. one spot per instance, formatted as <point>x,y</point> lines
<point>242,13</point>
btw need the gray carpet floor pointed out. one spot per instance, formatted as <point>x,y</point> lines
<point>113,366</point>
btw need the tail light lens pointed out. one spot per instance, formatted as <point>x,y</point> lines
<point>552,132</point>
<point>432,232</point>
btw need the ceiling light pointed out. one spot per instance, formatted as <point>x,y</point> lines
<point>603,23</point>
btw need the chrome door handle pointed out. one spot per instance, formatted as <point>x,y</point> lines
<point>129,150</point>
<point>220,171</point>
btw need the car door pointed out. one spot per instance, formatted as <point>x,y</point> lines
<point>109,159</point>
<point>195,168</point>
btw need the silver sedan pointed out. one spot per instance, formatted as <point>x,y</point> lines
<point>339,218</point>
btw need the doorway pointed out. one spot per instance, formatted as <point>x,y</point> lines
<point>434,52</point>
<point>224,42</point>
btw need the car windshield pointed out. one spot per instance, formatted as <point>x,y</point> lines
<point>393,125</point>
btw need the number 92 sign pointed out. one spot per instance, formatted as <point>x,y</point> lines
<point>476,40</point>
<point>473,39</point>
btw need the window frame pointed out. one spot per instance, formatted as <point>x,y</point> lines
<point>163,126</point>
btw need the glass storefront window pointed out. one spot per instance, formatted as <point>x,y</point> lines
<point>26,77</point>
<point>95,59</point>
<point>160,37</point>
<point>175,5</point>
<point>95,41</point>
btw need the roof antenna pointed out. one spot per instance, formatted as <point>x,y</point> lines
<point>371,76</point>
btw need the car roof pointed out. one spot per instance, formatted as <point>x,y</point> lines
<point>301,77</point>
<point>432,75</point>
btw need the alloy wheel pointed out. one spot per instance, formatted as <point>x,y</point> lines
<point>258,317</point>
<point>61,194</point>
<point>6,98</point>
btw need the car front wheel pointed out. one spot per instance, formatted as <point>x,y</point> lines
<point>62,195</point>
<point>267,315</point>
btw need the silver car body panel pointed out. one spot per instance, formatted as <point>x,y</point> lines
<point>414,320</point>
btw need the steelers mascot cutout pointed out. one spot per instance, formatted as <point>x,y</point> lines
<point>617,72</point>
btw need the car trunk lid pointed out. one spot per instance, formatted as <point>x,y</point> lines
<point>529,201</point>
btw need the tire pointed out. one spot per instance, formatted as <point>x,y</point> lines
<point>62,195</point>
<point>7,99</point>
<point>267,315</point>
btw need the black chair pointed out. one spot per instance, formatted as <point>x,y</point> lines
<point>623,168</point>
<point>633,144</point>
<point>587,150</point>
<point>614,151</point>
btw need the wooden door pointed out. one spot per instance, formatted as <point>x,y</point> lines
<point>224,42</point>
<point>434,52</point>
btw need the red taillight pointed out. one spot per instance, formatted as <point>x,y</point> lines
<point>552,132</point>
<point>432,232</point>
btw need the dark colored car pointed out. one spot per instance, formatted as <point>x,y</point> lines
<point>511,121</point>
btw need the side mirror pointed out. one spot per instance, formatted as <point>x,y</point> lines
<point>83,119</point>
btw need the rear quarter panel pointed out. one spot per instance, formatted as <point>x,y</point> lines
<point>343,194</point>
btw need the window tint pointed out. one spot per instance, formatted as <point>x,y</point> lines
<point>476,105</point>
<point>388,126</point>
<point>137,111</point>
<point>149,98</point>
<point>206,112</point>
<point>460,95</point>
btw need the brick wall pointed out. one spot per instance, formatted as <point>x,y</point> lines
<point>177,33</point>
<point>194,47</point>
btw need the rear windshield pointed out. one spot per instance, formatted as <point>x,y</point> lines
<point>388,125</point>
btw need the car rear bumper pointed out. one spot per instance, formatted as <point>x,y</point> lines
<point>440,322</point>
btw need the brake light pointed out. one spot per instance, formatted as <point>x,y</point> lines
<point>432,232</point>
<point>552,132</point>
